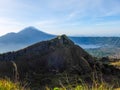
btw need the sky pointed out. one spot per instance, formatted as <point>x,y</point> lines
<point>71,17</point>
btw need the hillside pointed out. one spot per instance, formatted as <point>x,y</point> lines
<point>47,62</point>
<point>48,57</point>
<point>55,53</point>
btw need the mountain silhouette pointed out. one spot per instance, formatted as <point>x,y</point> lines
<point>31,35</point>
<point>27,36</point>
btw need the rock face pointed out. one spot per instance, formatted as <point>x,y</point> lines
<point>47,62</point>
<point>54,56</point>
<point>59,53</point>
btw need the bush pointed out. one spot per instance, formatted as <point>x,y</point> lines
<point>8,85</point>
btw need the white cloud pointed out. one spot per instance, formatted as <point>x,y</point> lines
<point>61,15</point>
<point>45,23</point>
<point>8,21</point>
<point>10,25</point>
<point>108,24</point>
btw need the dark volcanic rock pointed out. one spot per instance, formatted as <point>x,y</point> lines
<point>59,54</point>
<point>47,62</point>
<point>48,57</point>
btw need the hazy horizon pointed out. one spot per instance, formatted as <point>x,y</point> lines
<point>73,17</point>
<point>62,33</point>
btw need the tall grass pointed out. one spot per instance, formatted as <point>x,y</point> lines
<point>97,84</point>
<point>15,73</point>
<point>116,64</point>
<point>83,86</point>
<point>6,84</point>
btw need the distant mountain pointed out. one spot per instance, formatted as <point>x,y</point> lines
<point>31,35</point>
<point>102,41</point>
<point>27,36</point>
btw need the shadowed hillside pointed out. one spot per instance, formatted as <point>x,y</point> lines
<point>46,62</point>
<point>52,55</point>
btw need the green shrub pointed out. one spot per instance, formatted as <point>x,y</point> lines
<point>8,85</point>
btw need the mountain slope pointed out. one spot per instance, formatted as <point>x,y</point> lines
<point>16,41</point>
<point>28,35</point>
<point>61,48</point>
<point>48,62</point>
<point>47,58</point>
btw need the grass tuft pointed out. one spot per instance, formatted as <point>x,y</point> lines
<point>8,85</point>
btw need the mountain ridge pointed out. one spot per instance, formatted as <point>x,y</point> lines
<point>31,35</point>
<point>57,55</point>
<point>26,33</point>
<point>22,39</point>
<point>47,62</point>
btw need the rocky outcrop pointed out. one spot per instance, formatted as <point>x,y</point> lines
<point>45,61</point>
<point>58,54</point>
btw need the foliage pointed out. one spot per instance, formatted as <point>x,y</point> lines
<point>86,87</point>
<point>8,85</point>
<point>116,64</point>
<point>83,86</point>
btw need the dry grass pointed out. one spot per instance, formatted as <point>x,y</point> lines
<point>116,64</point>
<point>117,89</point>
<point>102,86</point>
<point>8,85</point>
<point>98,83</point>
<point>84,86</point>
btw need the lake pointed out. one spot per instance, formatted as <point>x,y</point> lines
<point>88,46</point>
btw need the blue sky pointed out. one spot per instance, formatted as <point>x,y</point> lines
<point>71,17</point>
